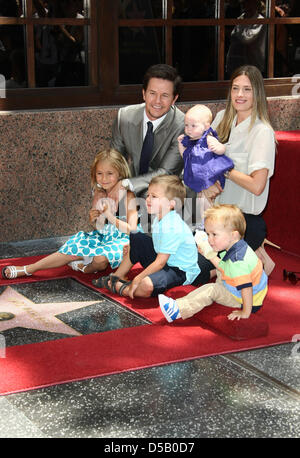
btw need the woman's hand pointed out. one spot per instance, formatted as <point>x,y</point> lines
<point>213,191</point>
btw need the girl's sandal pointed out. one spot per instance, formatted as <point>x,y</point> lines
<point>75,266</point>
<point>14,271</point>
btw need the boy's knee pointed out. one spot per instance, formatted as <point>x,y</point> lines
<point>146,287</point>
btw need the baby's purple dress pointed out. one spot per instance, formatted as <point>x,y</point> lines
<point>202,167</point>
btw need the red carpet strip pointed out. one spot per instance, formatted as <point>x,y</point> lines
<point>32,366</point>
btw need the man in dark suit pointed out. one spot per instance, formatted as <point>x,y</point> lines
<point>161,88</point>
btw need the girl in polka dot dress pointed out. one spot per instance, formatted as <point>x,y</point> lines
<point>113,215</point>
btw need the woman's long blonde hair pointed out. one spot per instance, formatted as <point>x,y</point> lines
<point>260,106</point>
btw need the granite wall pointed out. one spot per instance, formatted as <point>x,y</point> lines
<point>45,159</point>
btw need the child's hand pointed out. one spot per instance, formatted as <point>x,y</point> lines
<point>180,145</point>
<point>117,193</point>
<point>199,250</point>
<point>215,146</point>
<point>133,286</point>
<point>107,206</point>
<point>100,205</point>
<point>203,245</point>
<point>100,221</point>
<point>125,250</point>
<point>237,315</point>
<point>93,215</point>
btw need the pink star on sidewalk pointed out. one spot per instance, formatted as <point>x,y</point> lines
<point>37,316</point>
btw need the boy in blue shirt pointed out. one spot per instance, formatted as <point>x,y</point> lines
<point>170,257</point>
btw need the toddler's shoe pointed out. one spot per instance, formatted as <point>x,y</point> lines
<point>169,308</point>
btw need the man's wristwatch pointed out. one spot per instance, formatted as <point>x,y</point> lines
<point>127,184</point>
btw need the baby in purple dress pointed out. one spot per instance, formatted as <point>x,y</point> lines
<point>202,166</point>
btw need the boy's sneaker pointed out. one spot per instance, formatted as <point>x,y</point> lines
<point>169,308</point>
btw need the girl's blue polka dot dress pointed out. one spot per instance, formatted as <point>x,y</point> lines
<point>108,242</point>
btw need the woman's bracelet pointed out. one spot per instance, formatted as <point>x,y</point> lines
<point>226,174</point>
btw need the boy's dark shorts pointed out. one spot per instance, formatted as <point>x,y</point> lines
<point>142,251</point>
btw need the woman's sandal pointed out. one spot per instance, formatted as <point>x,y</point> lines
<point>13,271</point>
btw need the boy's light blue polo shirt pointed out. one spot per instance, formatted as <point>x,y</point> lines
<point>171,235</point>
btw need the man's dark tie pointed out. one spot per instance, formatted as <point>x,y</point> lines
<point>147,149</point>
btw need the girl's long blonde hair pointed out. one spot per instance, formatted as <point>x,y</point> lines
<point>116,160</point>
<point>260,106</point>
